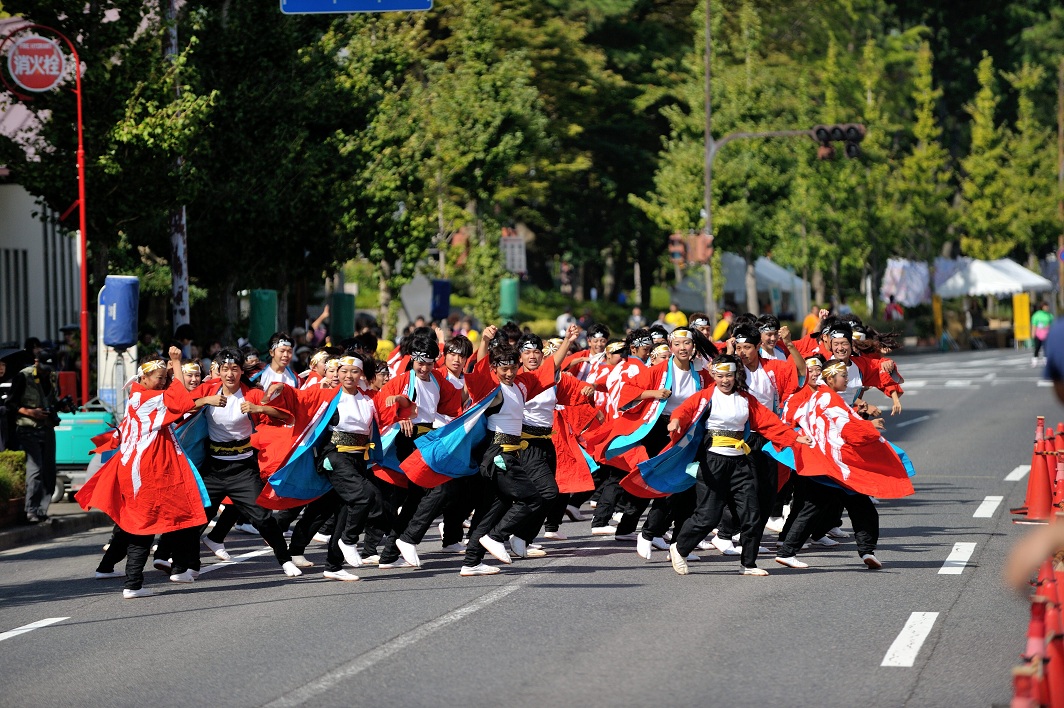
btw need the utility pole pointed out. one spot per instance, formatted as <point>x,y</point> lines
<point>710,153</point>
<point>1060,183</point>
<point>177,220</point>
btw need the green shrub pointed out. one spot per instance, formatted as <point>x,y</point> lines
<point>12,474</point>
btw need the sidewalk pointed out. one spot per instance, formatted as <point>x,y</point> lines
<point>64,519</point>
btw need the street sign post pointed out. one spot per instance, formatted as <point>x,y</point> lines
<point>315,7</point>
<point>36,64</point>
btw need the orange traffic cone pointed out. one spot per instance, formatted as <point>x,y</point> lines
<point>1036,630</point>
<point>1025,685</point>
<point>1039,486</point>
<point>1040,428</point>
<point>1054,659</point>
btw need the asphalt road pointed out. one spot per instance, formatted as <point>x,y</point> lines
<point>591,624</point>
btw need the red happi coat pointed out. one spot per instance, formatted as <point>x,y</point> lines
<point>148,487</point>
<point>847,448</point>
<point>572,415</point>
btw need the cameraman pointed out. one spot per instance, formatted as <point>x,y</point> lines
<point>32,403</point>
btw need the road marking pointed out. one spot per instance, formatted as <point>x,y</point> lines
<point>921,419</point>
<point>958,383</point>
<point>30,627</point>
<point>987,508</point>
<point>915,383</point>
<point>958,558</point>
<point>1044,384</point>
<point>236,559</point>
<point>368,660</point>
<point>1017,474</point>
<point>912,636</point>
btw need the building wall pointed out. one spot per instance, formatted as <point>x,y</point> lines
<point>39,274</point>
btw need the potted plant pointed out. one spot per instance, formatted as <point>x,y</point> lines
<point>12,485</point>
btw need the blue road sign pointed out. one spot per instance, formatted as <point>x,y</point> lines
<point>310,7</point>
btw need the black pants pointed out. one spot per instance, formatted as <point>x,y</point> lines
<point>811,507</point>
<point>556,511</point>
<point>674,509</point>
<point>360,500</point>
<point>767,473</point>
<point>462,502</point>
<point>412,497</point>
<point>654,442</point>
<point>135,548</point>
<point>39,446</point>
<point>314,517</point>
<point>611,496</point>
<point>287,517</point>
<point>783,496</point>
<point>721,479</point>
<point>506,499</point>
<point>434,502</point>
<point>240,481</point>
<point>863,516</point>
<point>539,461</point>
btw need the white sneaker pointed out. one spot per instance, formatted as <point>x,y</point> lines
<point>218,549</point>
<point>555,535</point>
<point>826,542</point>
<point>163,565</point>
<point>679,563</point>
<point>574,514</point>
<point>838,533</point>
<point>375,559</point>
<point>302,562</point>
<point>409,552</point>
<point>603,530</point>
<point>758,572</point>
<point>735,538</point>
<point>534,552</point>
<point>592,504</point>
<point>291,570</point>
<point>871,561</point>
<point>667,536</point>
<point>322,538</point>
<point>112,574</point>
<point>398,563</point>
<point>691,557</point>
<point>481,569</point>
<point>350,554</point>
<point>496,549</point>
<point>762,551</point>
<point>625,536</point>
<point>185,577</point>
<point>518,547</point>
<point>775,524</point>
<point>705,545</point>
<point>791,562</point>
<point>725,546</point>
<point>133,594</point>
<point>246,528</point>
<point>644,547</point>
<point>340,575</point>
<point>439,527</point>
<point>455,548</point>
<point>617,516</point>
<point>659,543</point>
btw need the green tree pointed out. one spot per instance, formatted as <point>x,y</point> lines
<point>985,210</point>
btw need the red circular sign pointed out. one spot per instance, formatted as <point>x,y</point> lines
<point>36,64</point>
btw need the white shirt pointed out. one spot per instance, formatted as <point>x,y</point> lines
<point>684,386</point>
<point>508,419</point>
<point>270,376</point>
<point>228,424</point>
<point>427,397</point>
<point>356,413</point>
<point>540,410</point>
<point>761,387</point>
<point>854,383</point>
<point>774,354</point>
<point>728,412</point>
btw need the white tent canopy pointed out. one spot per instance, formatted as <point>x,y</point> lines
<point>1000,277</point>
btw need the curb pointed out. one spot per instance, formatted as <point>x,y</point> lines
<point>55,527</point>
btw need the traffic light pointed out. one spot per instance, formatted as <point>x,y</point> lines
<point>849,133</point>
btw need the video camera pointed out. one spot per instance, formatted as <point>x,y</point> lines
<point>63,405</point>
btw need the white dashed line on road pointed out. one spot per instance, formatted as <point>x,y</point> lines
<point>912,636</point>
<point>958,558</point>
<point>987,507</point>
<point>1017,474</point>
<point>30,627</point>
<point>921,419</point>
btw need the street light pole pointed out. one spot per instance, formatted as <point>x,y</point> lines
<point>710,154</point>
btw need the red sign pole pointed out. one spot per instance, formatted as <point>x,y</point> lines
<point>86,364</point>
